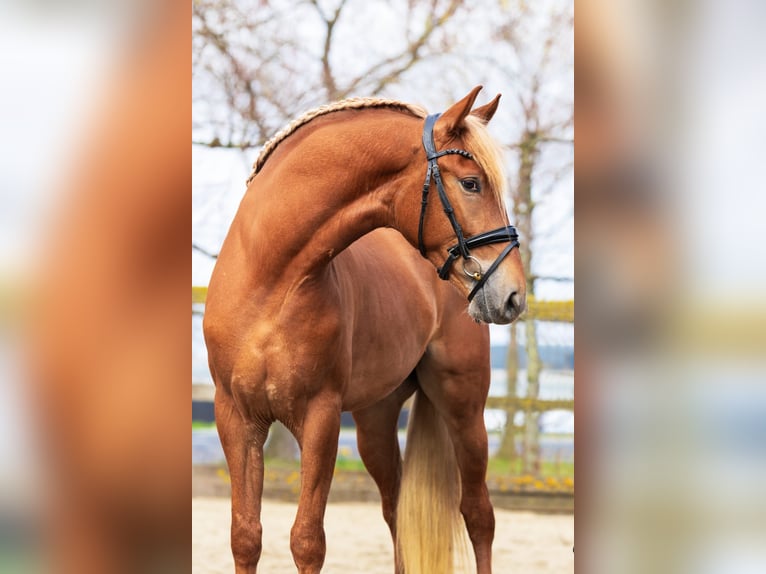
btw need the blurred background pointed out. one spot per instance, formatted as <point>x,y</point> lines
<point>94,365</point>
<point>671,403</point>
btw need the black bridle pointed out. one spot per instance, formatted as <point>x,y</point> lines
<point>463,246</point>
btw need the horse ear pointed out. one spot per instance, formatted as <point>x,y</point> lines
<point>451,121</point>
<point>485,112</point>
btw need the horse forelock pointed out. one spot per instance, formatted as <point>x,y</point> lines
<point>347,104</point>
<point>488,154</point>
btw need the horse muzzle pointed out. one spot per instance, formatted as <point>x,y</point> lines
<point>498,302</point>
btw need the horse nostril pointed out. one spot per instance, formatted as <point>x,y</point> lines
<point>516,302</point>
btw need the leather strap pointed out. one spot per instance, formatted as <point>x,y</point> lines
<point>503,254</point>
<point>463,246</point>
<point>433,172</point>
<point>499,235</point>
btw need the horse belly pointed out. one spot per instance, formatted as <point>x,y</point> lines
<point>369,386</point>
<point>395,320</point>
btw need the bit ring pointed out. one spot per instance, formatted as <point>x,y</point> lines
<point>475,275</point>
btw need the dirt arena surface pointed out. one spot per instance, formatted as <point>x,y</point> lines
<point>358,541</point>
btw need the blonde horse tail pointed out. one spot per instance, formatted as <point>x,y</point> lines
<point>430,532</point>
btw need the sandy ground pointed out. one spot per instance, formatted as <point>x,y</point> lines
<point>358,540</point>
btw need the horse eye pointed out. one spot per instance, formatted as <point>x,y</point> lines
<point>471,185</point>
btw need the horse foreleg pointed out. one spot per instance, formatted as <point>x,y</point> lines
<point>376,432</point>
<point>242,443</point>
<point>318,438</point>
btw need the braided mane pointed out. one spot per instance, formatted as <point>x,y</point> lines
<point>349,104</point>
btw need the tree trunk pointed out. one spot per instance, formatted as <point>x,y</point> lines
<point>281,444</point>
<point>507,450</point>
<point>532,418</point>
<point>523,209</point>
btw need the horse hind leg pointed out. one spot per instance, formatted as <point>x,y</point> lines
<point>460,400</point>
<point>242,442</point>
<point>376,431</point>
<point>470,440</point>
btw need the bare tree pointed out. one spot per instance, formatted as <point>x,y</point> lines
<point>544,119</point>
<point>253,73</point>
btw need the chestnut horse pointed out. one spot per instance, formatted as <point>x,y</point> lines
<point>320,303</point>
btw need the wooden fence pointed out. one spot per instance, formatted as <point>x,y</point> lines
<point>562,311</point>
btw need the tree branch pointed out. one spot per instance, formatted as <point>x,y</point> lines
<point>205,252</point>
<point>408,58</point>
<point>328,77</point>
<point>215,142</point>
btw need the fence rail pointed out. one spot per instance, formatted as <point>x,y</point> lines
<point>524,404</point>
<point>553,468</point>
<point>562,311</point>
<point>541,310</point>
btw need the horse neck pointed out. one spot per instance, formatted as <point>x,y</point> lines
<point>322,191</point>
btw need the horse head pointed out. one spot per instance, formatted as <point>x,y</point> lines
<point>465,231</point>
